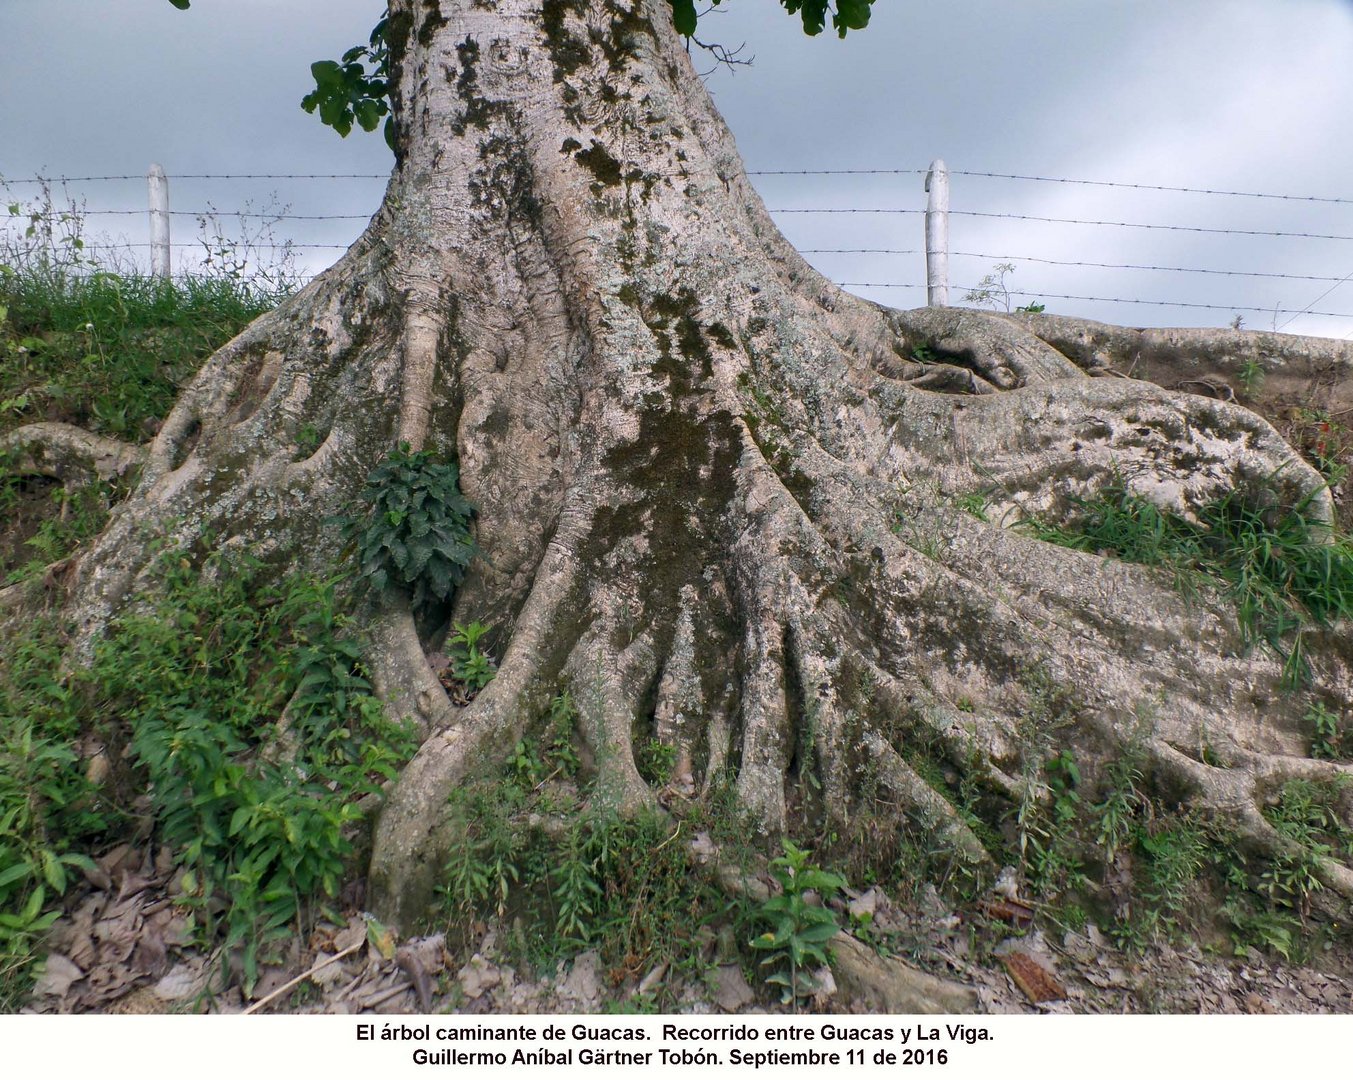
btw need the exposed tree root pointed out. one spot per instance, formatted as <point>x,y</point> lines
<point>69,453</point>
<point>408,850</point>
<point>888,985</point>
<point>1000,353</point>
<point>1311,367</point>
<point>719,500</point>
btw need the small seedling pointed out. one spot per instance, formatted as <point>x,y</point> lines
<point>469,665</point>
<point>655,760</point>
<point>1250,375</point>
<point>800,927</point>
<point>974,502</point>
<point>1328,737</point>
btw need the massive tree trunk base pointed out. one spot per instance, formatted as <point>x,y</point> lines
<point>716,495</point>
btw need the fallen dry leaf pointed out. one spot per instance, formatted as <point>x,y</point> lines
<point>57,976</point>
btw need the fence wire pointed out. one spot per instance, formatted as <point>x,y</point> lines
<point>1014,258</point>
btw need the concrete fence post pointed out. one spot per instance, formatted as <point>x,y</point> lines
<point>937,235</point>
<point>159,221</point>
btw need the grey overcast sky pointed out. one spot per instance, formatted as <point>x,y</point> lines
<point>1235,95</point>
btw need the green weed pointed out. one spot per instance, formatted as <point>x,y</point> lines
<point>655,760</point>
<point>266,820</point>
<point>258,804</point>
<point>800,923</point>
<point>1046,819</point>
<point>469,664</point>
<point>1285,571</point>
<point>1250,375</point>
<point>416,534</point>
<point>1306,816</point>
<point>1327,444</point>
<point>1117,814</point>
<point>974,502</point>
<point>560,722</point>
<point>1173,854</point>
<point>75,513</point>
<point>1329,738</point>
<point>483,866</point>
<point>623,886</point>
<point>50,813</point>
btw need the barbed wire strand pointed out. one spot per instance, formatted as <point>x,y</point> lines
<point>198,245</point>
<point>872,251</point>
<point>262,215</point>
<point>1155,187</point>
<point>1307,309</point>
<point>197,176</point>
<point>1125,184</point>
<point>1066,221</point>
<point>793,210</point>
<point>1104,299</point>
<point>1065,262</point>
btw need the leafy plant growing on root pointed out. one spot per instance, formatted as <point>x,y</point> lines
<point>1305,815</point>
<point>416,535</point>
<point>469,664</point>
<point>1329,739</point>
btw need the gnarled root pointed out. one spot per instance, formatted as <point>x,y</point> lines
<point>70,454</point>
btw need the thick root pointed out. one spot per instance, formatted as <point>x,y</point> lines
<point>998,351</point>
<point>69,453</point>
<point>408,850</point>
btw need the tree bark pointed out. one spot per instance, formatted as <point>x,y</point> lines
<point>715,493</point>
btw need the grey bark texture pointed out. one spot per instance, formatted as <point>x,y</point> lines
<point>715,493</point>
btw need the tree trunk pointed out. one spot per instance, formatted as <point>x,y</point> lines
<point>714,492</point>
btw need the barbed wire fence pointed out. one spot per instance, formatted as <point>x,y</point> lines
<point>885,267</point>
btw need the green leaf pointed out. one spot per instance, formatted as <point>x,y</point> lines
<point>851,15</point>
<point>369,112</point>
<point>53,871</point>
<point>684,16</point>
<point>82,862</point>
<point>15,873</point>
<point>812,12</point>
<point>239,819</point>
<point>182,5</point>
<point>34,905</point>
<point>328,74</point>
<point>813,935</point>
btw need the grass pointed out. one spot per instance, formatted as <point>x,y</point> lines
<point>95,344</point>
<point>109,352</point>
<point>563,877</point>
<point>626,887</point>
<point>1285,571</point>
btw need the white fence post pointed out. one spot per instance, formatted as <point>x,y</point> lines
<point>159,221</point>
<point>937,235</point>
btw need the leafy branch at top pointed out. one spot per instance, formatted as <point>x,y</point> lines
<point>846,15</point>
<point>346,92</point>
